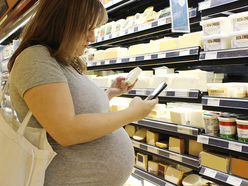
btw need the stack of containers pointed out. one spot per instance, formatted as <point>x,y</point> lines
<point>215,33</point>
<point>239,28</point>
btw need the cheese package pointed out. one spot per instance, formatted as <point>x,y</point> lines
<point>136,49</point>
<point>141,161</point>
<point>179,115</point>
<point>153,167</point>
<point>195,148</point>
<point>143,82</point>
<point>151,47</point>
<point>110,27</point>
<point>90,57</point>
<point>112,53</point>
<point>159,106</point>
<point>197,73</point>
<point>163,70</point>
<point>119,25</point>
<point>190,40</point>
<point>136,19</point>
<point>157,79</point>
<point>215,161</point>
<point>165,13</point>
<point>100,55</point>
<point>192,180</point>
<point>117,107</point>
<point>131,130</point>
<point>162,144</point>
<point>196,119</point>
<point>239,167</point>
<point>184,82</point>
<point>102,30</point>
<point>140,135</point>
<point>173,175</point>
<point>147,13</point>
<point>151,137</point>
<point>157,112</point>
<point>128,22</point>
<point>183,168</point>
<point>153,16</point>
<point>162,169</point>
<point>176,145</point>
<point>146,73</point>
<point>168,44</point>
<point>132,76</point>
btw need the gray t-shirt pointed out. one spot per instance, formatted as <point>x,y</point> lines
<point>107,161</point>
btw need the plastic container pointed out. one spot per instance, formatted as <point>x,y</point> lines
<point>211,124</point>
<point>221,25</point>
<point>227,127</point>
<point>242,130</point>
<point>218,89</point>
<point>216,42</point>
<point>239,21</point>
<point>239,39</point>
<point>192,180</point>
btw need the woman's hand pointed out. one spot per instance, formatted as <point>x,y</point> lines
<point>117,88</point>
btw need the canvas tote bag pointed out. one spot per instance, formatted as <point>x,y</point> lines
<point>24,151</point>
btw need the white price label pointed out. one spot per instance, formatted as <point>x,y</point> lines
<point>131,30</point>
<point>118,61</point>
<point>184,130</point>
<point>211,55</point>
<point>235,146</point>
<point>132,58</point>
<point>152,149</point>
<point>203,139</point>
<point>122,32</point>
<point>204,5</point>
<point>114,35</point>
<point>184,52</point>
<point>140,92</point>
<point>161,55</point>
<point>148,56</point>
<point>214,102</point>
<point>161,21</point>
<point>98,62</point>
<point>210,173</point>
<point>89,64</point>
<point>116,1</point>
<point>148,25</point>
<point>106,62</point>
<point>234,181</point>
<point>107,37</point>
<point>137,145</point>
<point>176,157</point>
<point>181,94</point>
<point>141,27</point>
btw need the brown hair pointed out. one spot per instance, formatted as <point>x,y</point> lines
<point>61,26</point>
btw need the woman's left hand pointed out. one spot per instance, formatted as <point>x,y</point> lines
<point>117,88</point>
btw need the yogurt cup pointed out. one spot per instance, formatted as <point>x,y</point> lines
<point>242,129</point>
<point>227,127</point>
<point>211,124</point>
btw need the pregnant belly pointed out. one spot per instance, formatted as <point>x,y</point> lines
<point>106,161</point>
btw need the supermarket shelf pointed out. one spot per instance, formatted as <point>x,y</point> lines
<point>212,7</point>
<point>232,145</point>
<point>227,56</point>
<point>183,95</point>
<point>183,56</point>
<point>151,178</point>
<point>187,160</point>
<point>234,105</point>
<point>222,177</point>
<point>134,33</point>
<point>164,126</point>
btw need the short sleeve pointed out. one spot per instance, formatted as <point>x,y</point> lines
<point>34,66</point>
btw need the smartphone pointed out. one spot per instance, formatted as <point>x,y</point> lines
<point>157,91</point>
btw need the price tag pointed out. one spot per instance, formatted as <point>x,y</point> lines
<point>152,150</point>
<point>161,55</point>
<point>184,52</point>
<point>235,146</point>
<point>210,173</point>
<point>118,61</point>
<point>106,37</point>
<point>106,62</point>
<point>204,5</point>
<point>176,157</point>
<point>140,92</point>
<point>214,102</point>
<point>102,62</point>
<point>184,130</point>
<point>131,30</point>
<point>148,25</point>
<point>99,39</point>
<point>234,181</point>
<point>116,1</point>
<point>98,62</point>
<point>203,139</point>
<point>211,55</point>
<point>154,24</point>
<point>137,145</point>
<point>148,56</point>
<point>132,58</point>
<point>162,21</point>
<point>141,27</point>
<point>122,32</point>
<point>115,34</point>
<point>89,64</point>
<point>94,63</point>
<point>168,20</point>
<point>181,94</point>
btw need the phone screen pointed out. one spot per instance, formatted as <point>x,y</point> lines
<point>157,91</point>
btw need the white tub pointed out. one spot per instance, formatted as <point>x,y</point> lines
<point>227,127</point>
<point>221,25</point>
<point>242,128</point>
<point>239,21</point>
<point>239,39</point>
<point>216,42</point>
<point>211,124</point>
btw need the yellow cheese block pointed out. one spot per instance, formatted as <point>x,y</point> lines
<point>136,49</point>
<point>195,117</point>
<point>162,169</point>
<point>141,161</point>
<point>112,53</point>
<point>140,135</point>
<point>190,40</point>
<point>153,16</point>
<point>178,116</point>
<point>152,137</point>
<point>173,175</point>
<point>176,145</point>
<point>131,130</point>
<point>132,76</point>
<point>100,55</point>
<point>151,47</point>
<point>239,167</point>
<point>147,13</point>
<point>195,148</point>
<point>169,44</point>
<point>158,112</point>
<point>143,82</point>
<point>153,167</point>
<point>215,161</point>
<point>162,144</point>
